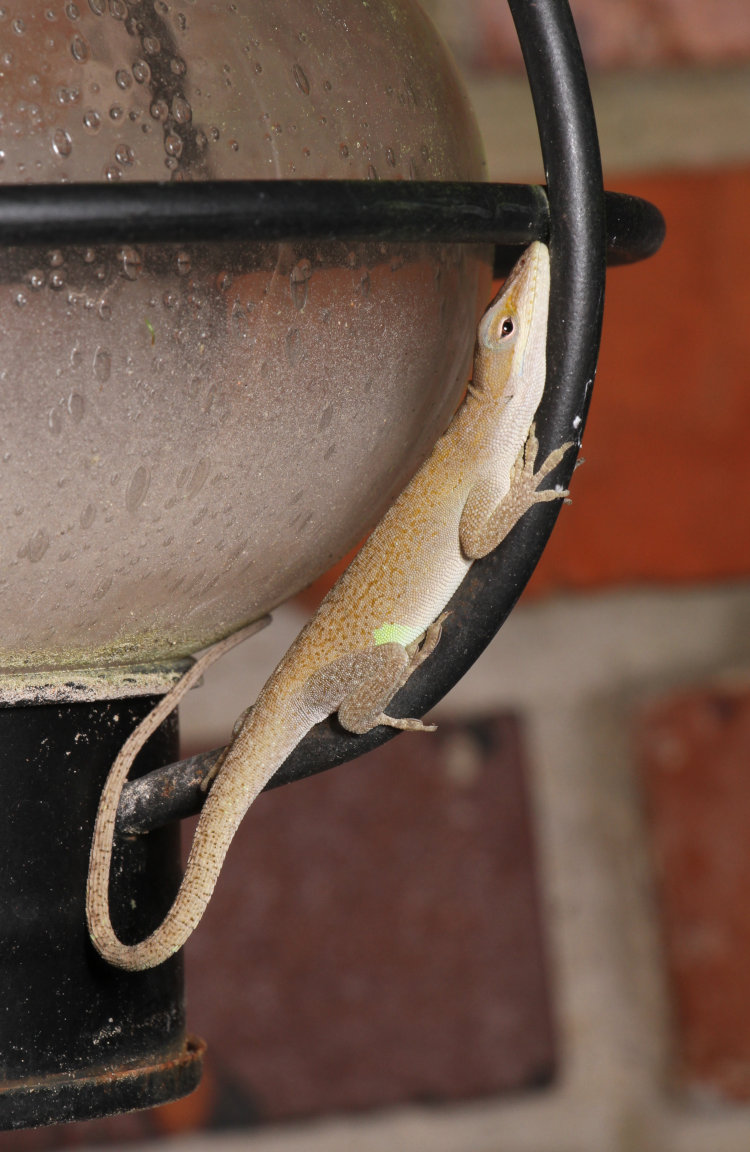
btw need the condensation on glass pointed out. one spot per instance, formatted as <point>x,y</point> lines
<point>191,433</point>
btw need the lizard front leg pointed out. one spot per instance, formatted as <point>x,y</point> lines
<point>481,527</point>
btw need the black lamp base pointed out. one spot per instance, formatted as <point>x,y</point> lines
<point>79,1038</point>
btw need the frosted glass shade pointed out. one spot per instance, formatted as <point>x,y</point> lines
<point>191,433</point>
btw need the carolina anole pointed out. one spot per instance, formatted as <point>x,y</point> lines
<point>383,617</point>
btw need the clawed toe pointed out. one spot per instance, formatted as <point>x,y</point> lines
<point>408,724</point>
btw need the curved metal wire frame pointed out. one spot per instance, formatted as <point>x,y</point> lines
<point>507,215</point>
<point>582,227</point>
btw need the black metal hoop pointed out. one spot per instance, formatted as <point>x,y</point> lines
<point>507,215</point>
<point>577,220</point>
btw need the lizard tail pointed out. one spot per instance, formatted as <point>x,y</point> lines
<point>229,798</point>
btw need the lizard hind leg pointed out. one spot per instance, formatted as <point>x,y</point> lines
<point>376,677</point>
<point>379,675</point>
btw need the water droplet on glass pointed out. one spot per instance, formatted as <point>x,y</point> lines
<point>112,172</point>
<point>79,49</point>
<point>118,9</point>
<point>104,310</point>
<point>299,278</point>
<point>62,144</point>
<point>301,80</point>
<point>293,346</point>
<point>160,110</point>
<point>326,417</point>
<point>103,588</point>
<point>97,7</point>
<point>116,112</point>
<point>102,365</point>
<point>20,299</point>
<point>57,281</point>
<point>177,66</point>
<point>390,157</point>
<point>76,406</point>
<point>92,121</point>
<point>198,477</point>
<point>72,11</point>
<point>131,262</point>
<point>371,172</point>
<point>18,26</point>
<point>151,46</point>
<point>173,145</point>
<point>183,263</point>
<point>124,154</point>
<point>36,279</point>
<point>37,546</point>
<point>56,258</point>
<point>137,488</point>
<point>141,72</point>
<point>123,79</point>
<point>181,110</point>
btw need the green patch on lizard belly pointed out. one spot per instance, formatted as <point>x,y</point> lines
<point>395,634</point>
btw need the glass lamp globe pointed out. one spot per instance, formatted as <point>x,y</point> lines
<point>193,432</point>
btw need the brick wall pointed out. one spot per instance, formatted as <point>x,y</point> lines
<point>613,34</point>
<point>543,908</point>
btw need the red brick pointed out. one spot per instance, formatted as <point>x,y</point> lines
<point>375,939</point>
<point>663,495</point>
<point>694,751</point>
<point>622,34</point>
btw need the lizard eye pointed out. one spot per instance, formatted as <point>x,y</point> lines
<point>507,328</point>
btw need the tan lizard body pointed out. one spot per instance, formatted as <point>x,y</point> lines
<point>383,617</point>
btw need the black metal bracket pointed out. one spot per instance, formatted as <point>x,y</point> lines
<point>507,215</point>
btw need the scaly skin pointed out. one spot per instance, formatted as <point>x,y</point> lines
<point>383,617</point>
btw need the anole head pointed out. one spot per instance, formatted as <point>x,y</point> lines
<point>512,336</point>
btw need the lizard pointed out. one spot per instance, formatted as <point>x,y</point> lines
<point>383,617</point>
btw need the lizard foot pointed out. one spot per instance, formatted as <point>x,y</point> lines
<point>524,481</point>
<point>409,724</point>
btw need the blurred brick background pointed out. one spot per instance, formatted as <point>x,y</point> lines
<point>377,937</point>
<point>694,754</point>
<point>613,33</point>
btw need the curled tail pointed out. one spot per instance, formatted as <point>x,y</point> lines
<point>225,806</point>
